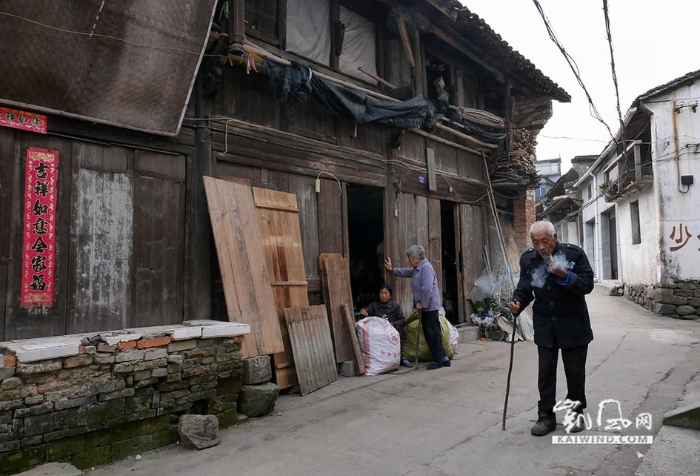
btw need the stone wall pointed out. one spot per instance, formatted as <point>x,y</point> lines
<point>680,300</point>
<point>92,399</point>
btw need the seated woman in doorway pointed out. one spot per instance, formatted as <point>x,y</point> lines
<point>388,309</point>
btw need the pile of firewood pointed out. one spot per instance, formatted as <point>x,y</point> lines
<point>516,162</point>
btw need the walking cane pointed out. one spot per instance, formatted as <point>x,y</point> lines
<point>510,368</point>
<point>420,327</point>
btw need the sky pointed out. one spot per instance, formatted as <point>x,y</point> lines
<point>653,43</point>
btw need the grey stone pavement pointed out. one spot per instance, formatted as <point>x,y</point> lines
<point>448,421</point>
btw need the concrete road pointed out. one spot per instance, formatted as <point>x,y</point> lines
<point>448,421</point>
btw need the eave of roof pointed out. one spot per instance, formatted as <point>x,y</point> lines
<point>477,34</point>
<point>680,81</point>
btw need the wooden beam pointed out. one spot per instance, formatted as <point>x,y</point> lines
<point>401,22</point>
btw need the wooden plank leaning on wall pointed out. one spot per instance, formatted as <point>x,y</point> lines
<point>280,233</point>
<point>247,290</point>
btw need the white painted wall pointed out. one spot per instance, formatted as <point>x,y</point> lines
<point>639,263</point>
<point>676,152</point>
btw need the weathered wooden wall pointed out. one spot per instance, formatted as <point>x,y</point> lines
<point>120,238</point>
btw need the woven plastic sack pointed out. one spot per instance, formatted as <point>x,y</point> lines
<point>424,355</point>
<point>380,344</point>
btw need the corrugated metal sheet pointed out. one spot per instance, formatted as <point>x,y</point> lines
<point>122,62</point>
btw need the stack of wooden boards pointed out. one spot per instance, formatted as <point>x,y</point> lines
<point>258,243</point>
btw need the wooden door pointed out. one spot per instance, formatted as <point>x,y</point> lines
<point>101,238</point>
<point>159,239</point>
<point>471,241</point>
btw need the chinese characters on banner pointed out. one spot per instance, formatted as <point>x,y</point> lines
<point>681,237</point>
<point>39,238</point>
<point>26,121</point>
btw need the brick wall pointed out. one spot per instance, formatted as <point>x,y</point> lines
<point>524,215</point>
<point>93,399</point>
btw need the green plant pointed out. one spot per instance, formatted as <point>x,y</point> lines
<point>486,304</point>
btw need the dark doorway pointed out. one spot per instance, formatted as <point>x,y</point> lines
<point>612,227</point>
<point>366,242</point>
<point>450,284</point>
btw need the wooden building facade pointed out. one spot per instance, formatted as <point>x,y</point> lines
<point>133,240</point>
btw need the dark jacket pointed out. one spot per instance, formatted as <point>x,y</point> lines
<point>390,311</point>
<point>560,315</point>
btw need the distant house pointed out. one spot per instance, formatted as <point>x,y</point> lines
<point>640,202</point>
<point>562,202</point>
<point>548,171</point>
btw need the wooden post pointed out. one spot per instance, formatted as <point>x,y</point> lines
<point>198,280</point>
<point>237,11</point>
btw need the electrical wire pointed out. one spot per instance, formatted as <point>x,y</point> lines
<point>99,35</point>
<point>574,67</point>
<point>612,67</point>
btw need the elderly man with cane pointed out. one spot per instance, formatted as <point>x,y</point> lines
<point>426,298</point>
<point>557,276</point>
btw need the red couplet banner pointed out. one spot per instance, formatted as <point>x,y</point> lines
<point>27,121</point>
<point>39,238</point>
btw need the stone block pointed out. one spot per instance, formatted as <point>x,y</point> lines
<point>10,404</point>
<point>257,370</point>
<point>159,372</point>
<point>175,359</point>
<point>347,369</point>
<point>102,347</point>
<point>150,364</point>
<point>10,383</point>
<point>35,400</point>
<point>126,392</point>
<point>179,346</point>
<point>103,358</point>
<point>27,458</point>
<point>70,403</point>
<point>93,457</point>
<point>685,310</point>
<point>77,361</point>
<point>663,295</point>
<point>88,349</point>
<point>194,371</point>
<point>146,382</point>
<point>129,356</point>
<point>122,449</point>
<point>688,285</point>
<point>198,431</point>
<point>174,368</point>
<point>200,352</point>
<point>174,377</point>
<point>123,368</point>
<point>678,301</point>
<point>695,302</point>
<point>66,447</point>
<point>153,354</point>
<point>43,367</point>
<point>42,409</point>
<point>664,309</point>
<point>258,400</point>
<point>6,372</point>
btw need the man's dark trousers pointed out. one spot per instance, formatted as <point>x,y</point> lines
<point>430,321</point>
<point>574,359</point>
